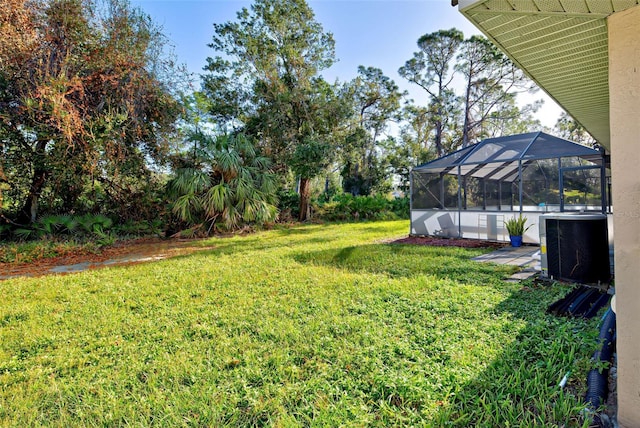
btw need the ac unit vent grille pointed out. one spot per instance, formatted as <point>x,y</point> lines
<point>578,249</point>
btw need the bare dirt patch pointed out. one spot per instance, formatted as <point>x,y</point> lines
<point>128,252</point>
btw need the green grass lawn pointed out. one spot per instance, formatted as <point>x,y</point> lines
<point>319,325</point>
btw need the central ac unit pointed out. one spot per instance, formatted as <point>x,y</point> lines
<point>575,247</point>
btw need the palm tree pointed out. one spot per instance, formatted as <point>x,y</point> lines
<point>228,184</point>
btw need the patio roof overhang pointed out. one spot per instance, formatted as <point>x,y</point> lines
<point>561,44</point>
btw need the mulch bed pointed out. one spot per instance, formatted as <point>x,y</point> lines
<point>448,242</point>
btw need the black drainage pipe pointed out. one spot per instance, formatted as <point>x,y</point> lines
<point>600,302</point>
<point>598,381</point>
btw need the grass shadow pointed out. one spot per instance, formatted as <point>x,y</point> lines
<point>520,385</point>
<point>406,261</point>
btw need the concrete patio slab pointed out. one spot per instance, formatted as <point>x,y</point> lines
<point>526,257</point>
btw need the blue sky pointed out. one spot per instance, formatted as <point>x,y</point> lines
<point>378,33</point>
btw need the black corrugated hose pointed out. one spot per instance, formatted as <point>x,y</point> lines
<point>598,381</point>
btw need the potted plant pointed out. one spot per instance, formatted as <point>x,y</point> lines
<point>516,228</point>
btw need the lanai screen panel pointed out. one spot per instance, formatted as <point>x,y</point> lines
<point>434,191</point>
<point>540,184</point>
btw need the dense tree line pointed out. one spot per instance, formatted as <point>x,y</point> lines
<point>85,107</point>
<point>93,119</point>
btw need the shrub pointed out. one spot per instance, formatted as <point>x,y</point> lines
<point>288,205</point>
<point>50,226</point>
<point>401,207</point>
<point>230,185</point>
<point>139,228</point>
<point>345,207</point>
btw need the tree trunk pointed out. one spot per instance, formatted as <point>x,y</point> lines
<point>467,113</point>
<point>29,210</point>
<point>3,179</point>
<point>439,124</point>
<point>305,197</point>
<point>438,139</point>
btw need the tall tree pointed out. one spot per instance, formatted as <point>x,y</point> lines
<point>266,80</point>
<point>431,68</point>
<point>491,82</point>
<point>376,101</point>
<point>81,96</point>
<point>411,147</point>
<point>471,88</point>
<point>567,127</point>
<point>508,118</point>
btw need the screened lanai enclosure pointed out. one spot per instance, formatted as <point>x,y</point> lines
<point>472,192</point>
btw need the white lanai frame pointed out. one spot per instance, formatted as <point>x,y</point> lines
<point>471,192</point>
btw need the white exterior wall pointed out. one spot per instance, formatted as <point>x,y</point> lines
<point>624,93</point>
<point>474,224</point>
<point>479,224</point>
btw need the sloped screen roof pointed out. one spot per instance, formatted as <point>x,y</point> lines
<point>499,158</point>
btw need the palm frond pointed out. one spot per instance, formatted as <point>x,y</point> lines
<point>216,199</point>
<point>228,162</point>
<point>68,223</point>
<point>187,207</point>
<point>262,163</point>
<point>188,180</point>
<point>243,145</point>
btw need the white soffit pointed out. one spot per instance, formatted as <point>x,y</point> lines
<point>561,44</point>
